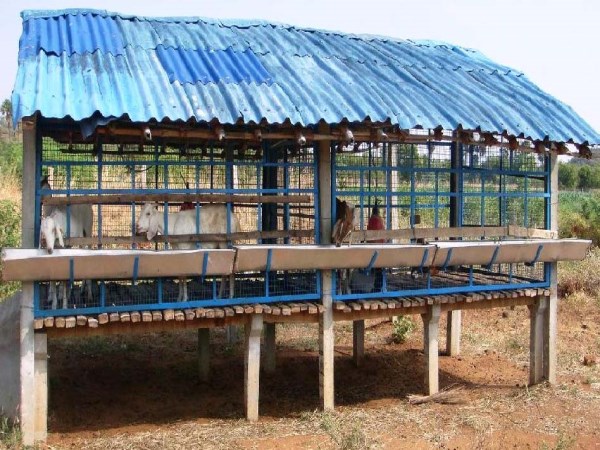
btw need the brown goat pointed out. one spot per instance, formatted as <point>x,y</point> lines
<point>344,224</point>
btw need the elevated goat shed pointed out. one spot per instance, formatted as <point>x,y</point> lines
<point>200,173</point>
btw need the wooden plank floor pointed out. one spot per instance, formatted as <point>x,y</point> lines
<point>172,319</point>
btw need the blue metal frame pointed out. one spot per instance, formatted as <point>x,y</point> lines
<point>165,164</point>
<point>488,176</point>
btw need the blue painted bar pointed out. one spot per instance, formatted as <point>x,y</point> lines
<point>447,260</point>
<point>136,263</point>
<point>372,261</point>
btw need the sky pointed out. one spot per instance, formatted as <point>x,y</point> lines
<point>556,43</point>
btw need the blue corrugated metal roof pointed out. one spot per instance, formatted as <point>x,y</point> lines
<point>80,62</point>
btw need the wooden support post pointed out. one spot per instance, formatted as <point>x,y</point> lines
<point>537,313</point>
<point>41,385</point>
<point>430,340</point>
<point>204,354</point>
<point>269,359</point>
<point>358,342</point>
<point>252,365</point>
<point>453,332</point>
<point>326,333</point>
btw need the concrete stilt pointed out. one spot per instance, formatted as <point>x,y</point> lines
<point>252,365</point>
<point>430,340</point>
<point>453,332</point>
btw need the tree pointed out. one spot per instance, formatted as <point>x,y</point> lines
<point>567,175</point>
<point>6,111</point>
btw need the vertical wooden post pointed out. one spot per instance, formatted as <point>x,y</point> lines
<point>430,340</point>
<point>41,385</point>
<point>537,313</point>
<point>454,319</point>
<point>358,342</point>
<point>269,359</point>
<point>551,319</point>
<point>204,354</point>
<point>326,333</point>
<point>252,365</point>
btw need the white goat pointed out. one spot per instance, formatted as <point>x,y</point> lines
<point>54,227</point>
<point>213,219</point>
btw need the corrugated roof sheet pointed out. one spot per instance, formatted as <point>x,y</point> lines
<point>80,62</point>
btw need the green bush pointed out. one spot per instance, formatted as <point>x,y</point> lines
<point>11,159</point>
<point>567,176</point>
<point>10,236</point>
<point>403,328</point>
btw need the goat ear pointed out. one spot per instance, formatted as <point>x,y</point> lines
<point>59,235</point>
<point>152,228</point>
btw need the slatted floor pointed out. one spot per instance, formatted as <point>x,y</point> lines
<point>280,309</point>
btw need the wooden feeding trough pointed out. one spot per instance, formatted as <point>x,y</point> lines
<point>327,257</point>
<point>456,253</point>
<point>69,264</point>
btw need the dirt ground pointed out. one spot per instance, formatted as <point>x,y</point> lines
<point>142,392</point>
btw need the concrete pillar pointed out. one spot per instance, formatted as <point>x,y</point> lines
<point>269,359</point>
<point>358,342</point>
<point>551,332</point>
<point>326,333</point>
<point>551,319</point>
<point>204,354</point>
<point>252,365</point>
<point>29,187</point>
<point>537,315</point>
<point>454,319</point>
<point>28,390</point>
<point>431,321</point>
<point>41,385</point>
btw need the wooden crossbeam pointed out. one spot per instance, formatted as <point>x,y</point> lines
<point>206,237</point>
<point>115,199</point>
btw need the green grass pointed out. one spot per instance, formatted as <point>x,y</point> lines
<point>10,434</point>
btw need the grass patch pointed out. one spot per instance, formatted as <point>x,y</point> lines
<point>347,435</point>
<point>564,442</point>
<point>403,328</point>
<point>580,276</point>
<point>10,434</point>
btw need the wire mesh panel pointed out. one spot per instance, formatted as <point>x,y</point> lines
<point>440,185</point>
<point>267,194</point>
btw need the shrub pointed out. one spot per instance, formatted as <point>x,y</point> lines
<point>580,276</point>
<point>10,236</point>
<point>403,328</point>
<point>11,159</point>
